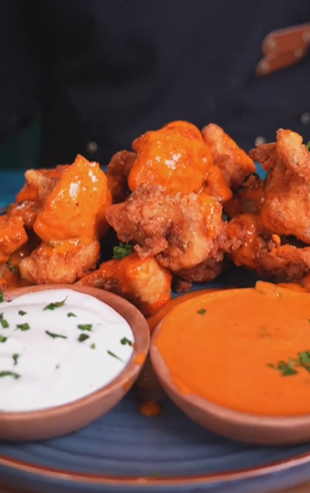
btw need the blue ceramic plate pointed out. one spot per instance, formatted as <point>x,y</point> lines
<point>125,452</point>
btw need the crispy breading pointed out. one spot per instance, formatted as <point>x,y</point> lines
<point>121,163</point>
<point>48,265</point>
<point>181,231</point>
<point>234,163</point>
<point>286,206</point>
<point>140,280</point>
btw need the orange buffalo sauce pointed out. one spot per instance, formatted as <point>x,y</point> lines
<point>247,349</point>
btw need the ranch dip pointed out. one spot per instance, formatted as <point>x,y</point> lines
<point>57,346</point>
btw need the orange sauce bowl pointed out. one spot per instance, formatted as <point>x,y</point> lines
<point>238,362</point>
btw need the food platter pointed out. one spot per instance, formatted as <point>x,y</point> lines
<point>126,452</point>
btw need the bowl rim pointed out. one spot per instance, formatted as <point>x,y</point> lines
<point>141,347</point>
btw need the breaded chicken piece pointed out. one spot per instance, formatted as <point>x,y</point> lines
<point>181,231</point>
<point>234,163</point>
<point>140,280</point>
<point>121,164</point>
<point>174,157</point>
<point>39,184</point>
<point>12,236</point>
<point>70,224</point>
<point>270,256</point>
<point>286,206</point>
<point>59,263</point>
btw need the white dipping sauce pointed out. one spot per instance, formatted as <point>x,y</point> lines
<point>39,369</point>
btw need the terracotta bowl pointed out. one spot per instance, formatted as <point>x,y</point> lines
<point>60,420</point>
<point>262,430</point>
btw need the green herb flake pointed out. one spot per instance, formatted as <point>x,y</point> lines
<point>92,346</point>
<point>113,355</point>
<point>122,250</point>
<point>286,369</point>
<point>21,312</point>
<point>202,311</point>
<point>55,336</point>
<point>2,338</point>
<point>15,358</point>
<point>125,341</point>
<point>55,304</point>
<point>308,146</point>
<point>85,327</point>
<point>9,374</point>
<point>4,323</point>
<point>11,267</point>
<point>83,337</point>
<point>23,326</point>
<point>71,314</point>
<point>1,297</point>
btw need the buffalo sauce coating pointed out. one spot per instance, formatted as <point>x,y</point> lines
<point>174,157</point>
<point>226,347</point>
<point>82,195</point>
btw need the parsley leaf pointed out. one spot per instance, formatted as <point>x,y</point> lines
<point>122,250</point>
<point>125,341</point>
<point>23,326</point>
<point>55,336</point>
<point>85,327</point>
<point>15,358</point>
<point>55,304</point>
<point>9,374</point>
<point>114,355</point>
<point>83,337</point>
<point>71,314</point>
<point>2,338</point>
<point>202,311</point>
<point>21,312</point>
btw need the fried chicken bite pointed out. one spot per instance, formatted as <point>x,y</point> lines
<point>12,236</point>
<point>234,163</point>
<point>121,164</point>
<point>286,206</point>
<point>29,201</point>
<point>140,280</point>
<point>174,157</point>
<point>70,224</point>
<point>180,231</point>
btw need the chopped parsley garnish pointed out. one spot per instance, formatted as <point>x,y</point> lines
<point>122,250</point>
<point>114,355</point>
<point>286,369</point>
<point>4,323</point>
<point>202,311</point>
<point>83,337</point>
<point>21,312</point>
<point>11,267</point>
<point>15,358</point>
<point>85,327</point>
<point>1,297</point>
<point>125,341</point>
<point>9,374</point>
<point>71,314</point>
<point>55,336</point>
<point>93,345</point>
<point>55,304</point>
<point>308,146</point>
<point>23,326</point>
<point>2,338</point>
